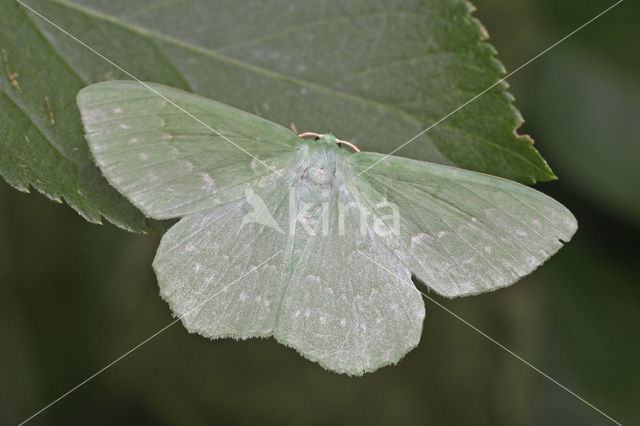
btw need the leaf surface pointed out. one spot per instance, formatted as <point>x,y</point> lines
<point>371,72</point>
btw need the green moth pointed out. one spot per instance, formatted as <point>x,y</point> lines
<point>302,239</point>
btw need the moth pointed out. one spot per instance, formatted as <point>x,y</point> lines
<point>304,239</point>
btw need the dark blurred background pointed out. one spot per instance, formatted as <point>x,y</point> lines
<point>75,296</point>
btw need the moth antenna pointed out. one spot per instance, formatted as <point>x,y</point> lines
<point>349,144</point>
<point>293,128</point>
<point>310,135</point>
<point>319,135</point>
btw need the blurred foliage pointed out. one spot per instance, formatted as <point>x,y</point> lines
<point>606,103</point>
<point>75,296</point>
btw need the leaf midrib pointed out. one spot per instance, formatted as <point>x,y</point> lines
<point>273,74</point>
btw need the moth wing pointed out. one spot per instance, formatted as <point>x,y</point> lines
<point>459,232</point>
<point>339,309</point>
<point>225,276</point>
<point>223,271</point>
<point>173,153</point>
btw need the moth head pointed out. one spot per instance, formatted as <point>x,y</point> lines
<point>328,139</point>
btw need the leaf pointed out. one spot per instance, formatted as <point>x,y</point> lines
<point>372,72</point>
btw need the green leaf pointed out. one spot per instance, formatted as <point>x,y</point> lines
<point>372,72</point>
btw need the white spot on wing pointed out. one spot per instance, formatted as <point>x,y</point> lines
<point>271,268</point>
<point>313,278</point>
<point>95,115</point>
<point>417,239</point>
<point>208,180</point>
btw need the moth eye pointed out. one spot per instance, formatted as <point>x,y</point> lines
<point>316,138</point>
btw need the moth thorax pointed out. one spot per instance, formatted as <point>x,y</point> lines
<point>321,167</point>
<point>320,175</point>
